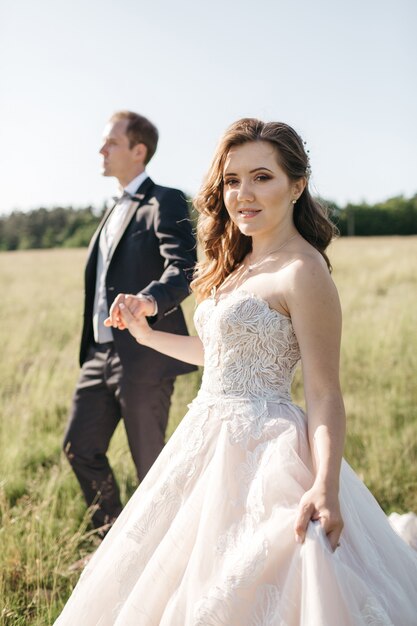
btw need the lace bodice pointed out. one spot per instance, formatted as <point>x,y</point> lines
<point>251,350</point>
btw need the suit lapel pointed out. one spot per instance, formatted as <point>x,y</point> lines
<point>134,205</point>
<point>99,228</point>
<point>127,217</point>
<point>141,193</point>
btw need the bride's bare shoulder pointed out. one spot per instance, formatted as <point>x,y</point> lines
<point>305,278</point>
<point>304,262</point>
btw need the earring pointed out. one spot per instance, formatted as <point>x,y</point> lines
<point>294,201</point>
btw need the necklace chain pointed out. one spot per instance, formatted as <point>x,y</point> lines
<point>251,266</point>
<point>238,274</point>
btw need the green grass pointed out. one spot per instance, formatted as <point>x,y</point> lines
<point>44,525</point>
<point>378,288</point>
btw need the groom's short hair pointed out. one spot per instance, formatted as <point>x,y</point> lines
<point>139,130</point>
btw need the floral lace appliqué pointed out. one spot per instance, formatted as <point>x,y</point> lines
<point>251,350</point>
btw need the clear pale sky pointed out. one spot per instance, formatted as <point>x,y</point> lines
<point>343,73</point>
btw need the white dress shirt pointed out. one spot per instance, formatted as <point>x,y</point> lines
<point>103,334</point>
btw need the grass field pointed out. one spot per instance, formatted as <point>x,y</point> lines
<point>44,526</point>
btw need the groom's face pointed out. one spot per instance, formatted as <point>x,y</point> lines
<point>118,158</point>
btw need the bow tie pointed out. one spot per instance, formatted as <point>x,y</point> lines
<point>128,196</point>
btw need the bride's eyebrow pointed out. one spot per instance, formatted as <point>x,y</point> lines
<point>257,169</point>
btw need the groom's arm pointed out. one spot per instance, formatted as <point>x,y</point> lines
<point>177,246</point>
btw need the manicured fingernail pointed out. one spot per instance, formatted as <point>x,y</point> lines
<point>121,305</point>
<point>298,538</point>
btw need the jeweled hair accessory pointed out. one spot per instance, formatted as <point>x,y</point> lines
<point>308,166</point>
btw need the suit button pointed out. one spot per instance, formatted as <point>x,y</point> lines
<point>110,288</point>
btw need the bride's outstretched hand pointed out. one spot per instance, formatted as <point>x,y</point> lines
<point>134,320</point>
<point>318,505</point>
<point>138,306</point>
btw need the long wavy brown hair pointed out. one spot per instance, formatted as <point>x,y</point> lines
<point>222,243</point>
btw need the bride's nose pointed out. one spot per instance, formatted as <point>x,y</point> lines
<point>245,192</point>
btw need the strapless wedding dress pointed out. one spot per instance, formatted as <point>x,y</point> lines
<point>208,537</point>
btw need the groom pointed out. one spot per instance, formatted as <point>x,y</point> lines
<point>143,246</point>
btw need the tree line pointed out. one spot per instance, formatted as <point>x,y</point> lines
<point>396,216</point>
<point>48,228</point>
<point>72,228</point>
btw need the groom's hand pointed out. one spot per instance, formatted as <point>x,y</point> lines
<point>138,306</point>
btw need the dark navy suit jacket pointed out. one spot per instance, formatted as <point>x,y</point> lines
<point>154,254</point>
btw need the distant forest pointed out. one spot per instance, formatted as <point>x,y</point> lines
<point>72,228</point>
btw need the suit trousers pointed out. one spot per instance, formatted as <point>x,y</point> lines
<point>104,395</point>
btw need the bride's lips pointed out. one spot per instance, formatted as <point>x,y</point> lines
<point>248,213</point>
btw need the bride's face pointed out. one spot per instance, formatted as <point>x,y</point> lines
<point>257,192</point>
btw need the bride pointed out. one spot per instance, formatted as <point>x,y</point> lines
<point>250,516</point>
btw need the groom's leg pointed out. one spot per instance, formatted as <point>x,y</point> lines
<point>145,410</point>
<point>94,417</point>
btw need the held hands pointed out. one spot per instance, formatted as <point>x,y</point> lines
<point>130,312</point>
<point>318,505</point>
